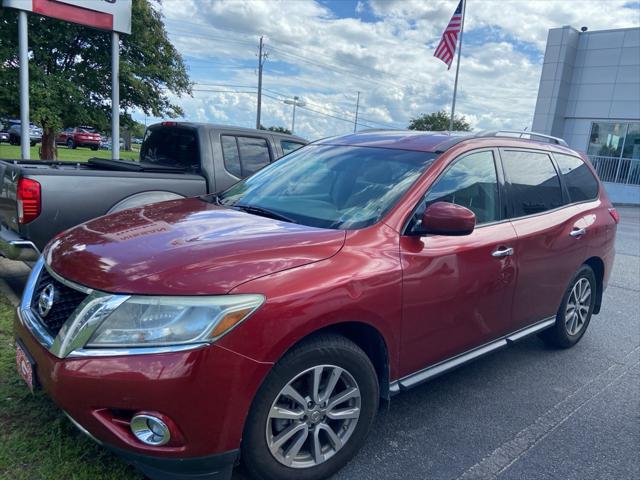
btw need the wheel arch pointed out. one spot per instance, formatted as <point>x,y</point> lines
<point>597,265</point>
<point>369,339</point>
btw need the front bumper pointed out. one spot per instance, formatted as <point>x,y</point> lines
<point>14,247</point>
<point>206,393</point>
<point>213,467</point>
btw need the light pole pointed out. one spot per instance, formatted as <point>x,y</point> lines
<point>296,102</point>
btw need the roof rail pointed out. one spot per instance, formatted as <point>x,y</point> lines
<point>521,134</point>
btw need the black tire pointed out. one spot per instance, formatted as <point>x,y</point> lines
<point>559,334</point>
<point>94,147</point>
<point>71,143</point>
<point>332,350</point>
<point>13,141</point>
<point>33,144</point>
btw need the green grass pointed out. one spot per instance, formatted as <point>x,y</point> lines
<point>37,442</point>
<point>80,154</point>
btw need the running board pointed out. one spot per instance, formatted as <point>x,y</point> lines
<point>438,369</point>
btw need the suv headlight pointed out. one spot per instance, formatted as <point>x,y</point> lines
<point>143,321</point>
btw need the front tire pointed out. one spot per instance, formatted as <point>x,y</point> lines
<point>71,144</point>
<point>312,413</point>
<point>575,310</point>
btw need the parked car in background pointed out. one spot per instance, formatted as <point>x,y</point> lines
<point>105,143</point>
<point>4,136</point>
<point>177,160</point>
<point>13,128</point>
<point>75,137</point>
<point>266,322</point>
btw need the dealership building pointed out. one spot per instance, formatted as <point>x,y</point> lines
<point>589,95</point>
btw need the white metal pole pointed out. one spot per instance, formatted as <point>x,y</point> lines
<point>355,122</point>
<point>23,53</point>
<point>455,84</point>
<point>293,120</point>
<point>115,96</point>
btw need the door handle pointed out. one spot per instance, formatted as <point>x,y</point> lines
<point>502,252</point>
<point>578,232</point>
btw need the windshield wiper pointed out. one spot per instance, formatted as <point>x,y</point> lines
<point>263,212</point>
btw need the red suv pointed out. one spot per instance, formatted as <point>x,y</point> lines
<point>266,323</point>
<point>79,137</point>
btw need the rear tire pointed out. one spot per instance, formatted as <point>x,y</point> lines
<point>326,437</point>
<point>94,147</point>
<point>71,144</point>
<point>575,310</point>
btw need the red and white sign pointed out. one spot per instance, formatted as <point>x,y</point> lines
<point>103,14</point>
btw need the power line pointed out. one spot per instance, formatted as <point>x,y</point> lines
<point>284,96</point>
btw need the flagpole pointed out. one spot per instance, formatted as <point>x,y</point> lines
<point>455,85</point>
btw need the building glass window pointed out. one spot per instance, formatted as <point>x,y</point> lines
<point>606,139</point>
<point>614,151</point>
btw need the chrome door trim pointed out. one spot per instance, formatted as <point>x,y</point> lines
<point>438,369</point>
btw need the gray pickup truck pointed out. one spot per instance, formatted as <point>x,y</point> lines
<point>39,199</point>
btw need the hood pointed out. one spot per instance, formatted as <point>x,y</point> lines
<point>184,247</point>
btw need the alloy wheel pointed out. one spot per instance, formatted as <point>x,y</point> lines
<point>578,306</point>
<point>313,416</point>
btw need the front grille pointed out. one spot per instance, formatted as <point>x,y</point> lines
<point>66,300</point>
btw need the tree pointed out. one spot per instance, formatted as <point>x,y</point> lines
<point>70,72</point>
<point>276,129</point>
<point>439,121</point>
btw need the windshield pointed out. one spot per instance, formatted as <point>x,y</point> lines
<point>327,186</point>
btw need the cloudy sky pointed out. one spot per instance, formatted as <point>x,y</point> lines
<point>325,51</point>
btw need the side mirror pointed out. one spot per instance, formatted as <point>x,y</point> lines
<point>442,218</point>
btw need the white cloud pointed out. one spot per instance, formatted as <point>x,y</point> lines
<point>326,59</point>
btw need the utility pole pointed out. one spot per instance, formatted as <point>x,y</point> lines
<point>261,58</point>
<point>355,122</point>
<point>296,102</point>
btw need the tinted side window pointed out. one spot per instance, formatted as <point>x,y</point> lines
<point>579,180</point>
<point>289,146</point>
<point>535,186</point>
<point>254,154</point>
<point>470,182</point>
<point>230,155</point>
<point>173,147</point>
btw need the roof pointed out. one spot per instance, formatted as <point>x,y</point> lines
<point>398,139</point>
<point>421,141</point>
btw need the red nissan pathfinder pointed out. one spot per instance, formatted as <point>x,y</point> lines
<point>265,324</point>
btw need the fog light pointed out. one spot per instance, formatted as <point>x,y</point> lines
<point>150,430</point>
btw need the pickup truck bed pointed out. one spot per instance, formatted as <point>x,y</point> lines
<point>73,193</point>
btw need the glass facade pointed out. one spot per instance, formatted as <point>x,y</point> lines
<point>614,150</point>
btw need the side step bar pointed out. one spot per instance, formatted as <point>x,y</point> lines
<point>438,369</point>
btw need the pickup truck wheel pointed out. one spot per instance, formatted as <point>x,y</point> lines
<point>71,143</point>
<point>575,310</point>
<point>312,413</point>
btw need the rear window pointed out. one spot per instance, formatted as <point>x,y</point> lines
<point>172,147</point>
<point>243,156</point>
<point>577,176</point>
<point>534,182</point>
<point>288,146</point>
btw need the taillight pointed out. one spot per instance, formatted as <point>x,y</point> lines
<point>169,124</point>
<point>28,196</point>
<point>614,214</point>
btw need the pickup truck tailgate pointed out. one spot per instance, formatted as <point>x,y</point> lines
<point>9,175</point>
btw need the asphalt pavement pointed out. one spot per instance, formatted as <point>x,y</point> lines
<point>526,412</point>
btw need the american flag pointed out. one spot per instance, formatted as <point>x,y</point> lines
<point>447,46</point>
